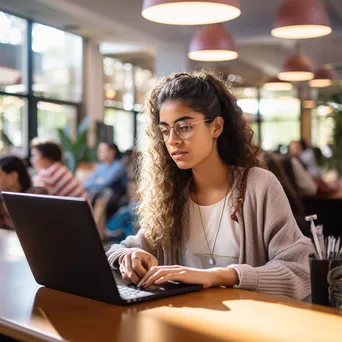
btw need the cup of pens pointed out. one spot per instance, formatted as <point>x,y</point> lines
<point>325,268</point>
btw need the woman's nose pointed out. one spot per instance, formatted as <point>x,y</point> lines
<point>174,139</point>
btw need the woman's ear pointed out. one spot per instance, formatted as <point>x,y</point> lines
<point>218,125</point>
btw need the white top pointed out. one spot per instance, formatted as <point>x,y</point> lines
<point>195,248</point>
<point>308,158</point>
<point>305,183</point>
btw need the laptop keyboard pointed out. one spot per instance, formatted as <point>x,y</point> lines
<point>130,292</point>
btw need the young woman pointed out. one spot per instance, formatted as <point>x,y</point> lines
<point>209,214</point>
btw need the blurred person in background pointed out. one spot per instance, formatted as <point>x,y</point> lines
<point>15,178</point>
<point>300,179</point>
<point>109,174</point>
<point>306,155</point>
<point>274,163</point>
<point>125,221</point>
<point>107,185</point>
<point>46,158</point>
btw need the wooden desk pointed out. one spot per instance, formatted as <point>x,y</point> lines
<point>32,313</point>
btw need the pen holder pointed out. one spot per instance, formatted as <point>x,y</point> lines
<point>326,281</point>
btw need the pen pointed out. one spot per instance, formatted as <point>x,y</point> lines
<point>320,236</point>
<point>329,247</point>
<point>332,250</point>
<point>340,254</point>
<point>337,247</point>
<point>311,218</point>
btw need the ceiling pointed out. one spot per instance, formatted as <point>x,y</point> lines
<point>255,20</point>
<point>120,21</point>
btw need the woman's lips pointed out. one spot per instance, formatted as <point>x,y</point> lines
<point>179,155</point>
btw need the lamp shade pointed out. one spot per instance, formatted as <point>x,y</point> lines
<point>297,68</point>
<point>275,84</point>
<point>324,77</point>
<point>301,19</point>
<point>212,43</point>
<point>190,12</point>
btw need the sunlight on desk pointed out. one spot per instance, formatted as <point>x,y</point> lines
<point>40,321</point>
<point>245,319</point>
<point>29,312</point>
<point>11,248</point>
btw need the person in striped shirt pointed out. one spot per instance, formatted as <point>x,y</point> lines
<point>46,158</point>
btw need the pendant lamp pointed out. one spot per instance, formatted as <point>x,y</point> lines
<point>301,19</point>
<point>190,12</point>
<point>297,68</point>
<point>275,84</point>
<point>324,77</point>
<point>212,43</point>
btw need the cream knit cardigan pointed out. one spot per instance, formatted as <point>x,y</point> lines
<point>273,252</point>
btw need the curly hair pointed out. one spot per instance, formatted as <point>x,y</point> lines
<point>162,186</point>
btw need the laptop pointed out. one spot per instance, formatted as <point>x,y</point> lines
<point>64,251</point>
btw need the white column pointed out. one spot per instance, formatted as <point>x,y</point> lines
<point>171,58</point>
<point>93,87</point>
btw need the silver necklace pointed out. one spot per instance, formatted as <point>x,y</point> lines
<point>212,260</point>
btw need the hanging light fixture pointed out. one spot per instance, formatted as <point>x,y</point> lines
<point>275,84</point>
<point>190,12</point>
<point>324,77</point>
<point>297,68</point>
<point>212,43</point>
<point>301,19</point>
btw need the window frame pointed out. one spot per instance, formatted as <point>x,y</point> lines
<point>31,99</point>
<point>133,111</point>
<point>259,118</point>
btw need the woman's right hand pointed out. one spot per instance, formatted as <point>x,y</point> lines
<point>134,265</point>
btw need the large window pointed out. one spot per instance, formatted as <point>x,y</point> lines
<point>37,62</point>
<point>247,99</point>
<point>118,86</point>
<point>125,87</point>
<point>274,117</point>
<point>52,117</point>
<point>13,124</point>
<point>141,132</point>
<point>123,127</point>
<point>322,127</point>
<point>57,64</point>
<point>280,119</point>
<point>13,47</point>
<point>143,81</point>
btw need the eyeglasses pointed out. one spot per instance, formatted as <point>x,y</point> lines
<point>182,129</point>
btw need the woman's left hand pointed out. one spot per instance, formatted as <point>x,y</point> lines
<point>208,277</point>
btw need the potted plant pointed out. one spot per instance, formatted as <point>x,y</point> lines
<point>76,150</point>
<point>335,101</point>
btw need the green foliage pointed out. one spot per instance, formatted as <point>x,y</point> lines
<point>7,141</point>
<point>76,150</point>
<point>5,138</point>
<point>335,100</point>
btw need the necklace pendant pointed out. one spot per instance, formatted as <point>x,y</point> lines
<point>212,261</point>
